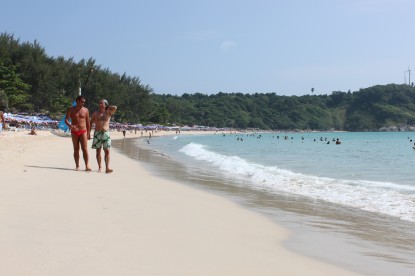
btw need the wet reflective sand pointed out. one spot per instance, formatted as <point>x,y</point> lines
<point>366,242</point>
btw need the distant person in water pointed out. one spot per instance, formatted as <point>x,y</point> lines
<point>80,128</point>
<point>338,142</point>
<point>102,139</point>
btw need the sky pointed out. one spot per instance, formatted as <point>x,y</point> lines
<point>285,47</point>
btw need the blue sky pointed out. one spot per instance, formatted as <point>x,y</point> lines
<point>208,46</point>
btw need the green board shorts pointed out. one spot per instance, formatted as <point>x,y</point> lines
<point>102,139</point>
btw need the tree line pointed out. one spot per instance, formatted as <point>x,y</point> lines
<point>367,109</point>
<point>33,82</point>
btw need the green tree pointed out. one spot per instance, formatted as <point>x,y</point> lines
<point>15,94</point>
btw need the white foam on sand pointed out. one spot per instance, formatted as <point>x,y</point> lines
<point>381,197</point>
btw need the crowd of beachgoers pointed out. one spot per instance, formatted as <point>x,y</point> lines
<point>18,122</point>
<point>27,122</point>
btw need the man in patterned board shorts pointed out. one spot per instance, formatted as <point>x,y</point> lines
<point>102,138</point>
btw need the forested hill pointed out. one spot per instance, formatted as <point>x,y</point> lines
<point>31,81</point>
<point>368,109</point>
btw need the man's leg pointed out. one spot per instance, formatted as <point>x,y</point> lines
<point>84,146</point>
<point>75,142</point>
<point>99,158</point>
<point>107,161</point>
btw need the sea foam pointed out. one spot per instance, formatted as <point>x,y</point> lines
<point>381,197</point>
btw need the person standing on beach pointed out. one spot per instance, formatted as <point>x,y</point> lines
<point>3,121</point>
<point>102,139</point>
<point>80,130</point>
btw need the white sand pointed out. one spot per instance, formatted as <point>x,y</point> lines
<point>58,221</point>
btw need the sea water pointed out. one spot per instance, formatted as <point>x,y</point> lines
<point>369,171</point>
<point>364,186</point>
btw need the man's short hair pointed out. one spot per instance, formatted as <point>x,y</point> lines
<point>80,97</point>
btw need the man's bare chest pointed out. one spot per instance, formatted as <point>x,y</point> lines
<point>78,113</point>
<point>103,116</point>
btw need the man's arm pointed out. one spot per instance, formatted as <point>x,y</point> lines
<point>67,117</point>
<point>111,109</point>
<point>88,125</point>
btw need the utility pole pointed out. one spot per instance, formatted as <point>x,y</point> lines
<point>79,82</point>
<point>79,79</point>
<point>409,82</point>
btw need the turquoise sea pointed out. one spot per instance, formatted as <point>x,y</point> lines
<point>352,203</point>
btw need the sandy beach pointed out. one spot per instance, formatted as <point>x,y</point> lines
<point>58,221</point>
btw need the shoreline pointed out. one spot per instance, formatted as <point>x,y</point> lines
<point>56,220</point>
<point>328,232</point>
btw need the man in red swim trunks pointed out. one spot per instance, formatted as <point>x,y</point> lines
<point>80,129</point>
